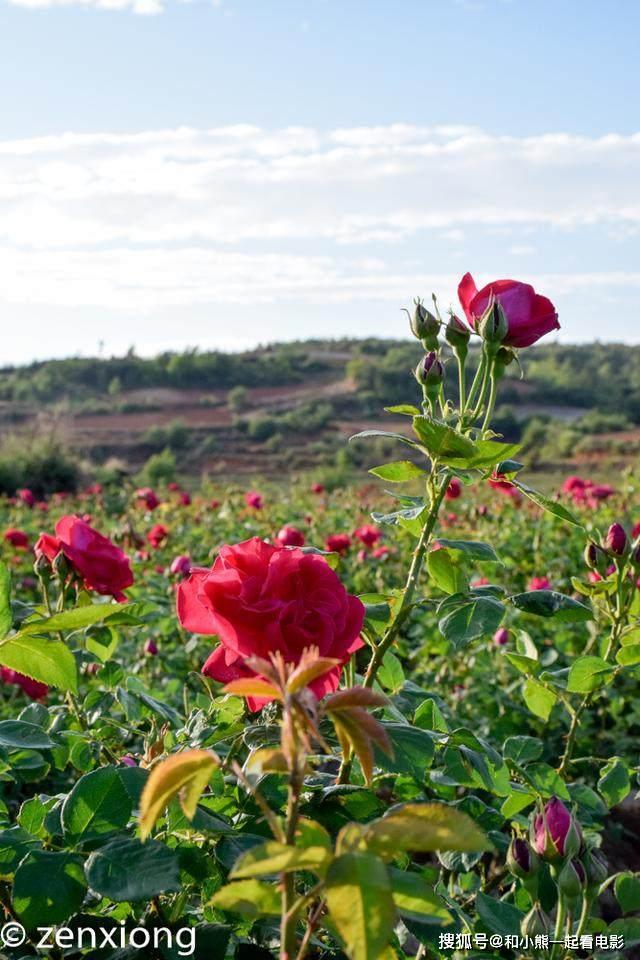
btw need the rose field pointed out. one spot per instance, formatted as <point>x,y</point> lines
<point>303,720</point>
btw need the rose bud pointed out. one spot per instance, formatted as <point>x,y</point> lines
<point>430,373</point>
<point>151,648</point>
<point>616,540</point>
<point>596,869</point>
<point>493,325</point>
<point>424,326</point>
<point>289,536</point>
<point>536,923</point>
<point>457,334</point>
<point>591,552</point>
<point>501,637</point>
<point>454,490</point>
<point>181,565</point>
<point>551,830</point>
<point>522,861</point>
<point>572,879</point>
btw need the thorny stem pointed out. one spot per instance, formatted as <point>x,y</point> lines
<point>296,780</point>
<point>618,617</point>
<point>405,605</point>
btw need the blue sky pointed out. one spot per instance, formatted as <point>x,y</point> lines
<point>220,174</point>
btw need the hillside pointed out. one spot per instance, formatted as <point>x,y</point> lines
<point>297,403</point>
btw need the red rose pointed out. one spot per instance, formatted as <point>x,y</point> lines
<point>148,498</point>
<point>338,542</point>
<point>47,546</point>
<point>26,496</point>
<point>254,500</point>
<point>259,599</point>
<point>32,688</point>
<point>367,534</point>
<point>528,314</point>
<point>317,488</point>
<point>157,535</point>
<point>454,489</point>
<point>101,565</point>
<point>290,537</point>
<point>17,538</point>
<point>539,583</point>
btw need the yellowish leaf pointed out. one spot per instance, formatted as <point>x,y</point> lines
<point>184,775</point>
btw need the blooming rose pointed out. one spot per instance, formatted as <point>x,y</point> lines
<point>101,565</point>
<point>26,496</point>
<point>260,599</point>
<point>17,538</point>
<point>290,537</point>
<point>367,534</point>
<point>157,535</point>
<point>148,498</point>
<point>317,488</point>
<point>529,315</point>
<point>539,583</point>
<point>254,500</point>
<point>338,542</point>
<point>32,688</point>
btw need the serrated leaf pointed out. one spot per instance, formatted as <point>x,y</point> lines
<point>539,699</point>
<point>423,828</point>
<point>360,901</point>
<point>273,857</point>
<point>47,661</point>
<point>251,898</point>
<point>184,775</point>
<point>551,506</point>
<point>473,549</point>
<point>550,603</point>
<point>587,674</point>
<point>398,471</point>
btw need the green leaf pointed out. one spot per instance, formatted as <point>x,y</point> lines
<point>629,655</point>
<point>500,917</point>
<point>48,661</point>
<point>441,441</point>
<point>539,699</point>
<point>19,735</point>
<point>15,844</point>
<point>415,899</point>
<point>391,674</point>
<point>251,898</point>
<point>76,619</point>
<point>627,891</point>
<point>360,901</point>
<point>587,674</point>
<point>273,857</point>
<point>413,751</point>
<point>6,617</point>
<point>98,805</point>
<point>614,783</point>
<point>127,869</point>
<point>405,409</point>
<point>547,781</point>
<point>423,828</point>
<point>491,452</point>
<point>550,603</point>
<point>551,506</point>
<point>48,888</point>
<point>399,471</point>
<point>522,749</point>
<point>467,617</point>
<point>385,434</point>
<point>472,549</point>
<point>447,571</point>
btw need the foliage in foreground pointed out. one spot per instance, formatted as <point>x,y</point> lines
<point>443,786</point>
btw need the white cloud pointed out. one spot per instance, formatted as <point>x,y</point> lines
<point>245,215</point>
